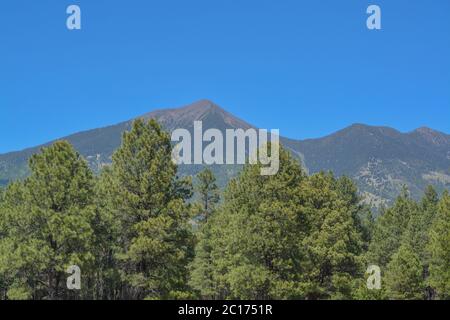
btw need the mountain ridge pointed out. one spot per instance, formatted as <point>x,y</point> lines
<point>161,111</point>
<point>380,159</point>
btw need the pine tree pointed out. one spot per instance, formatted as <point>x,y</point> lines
<point>208,192</point>
<point>12,197</point>
<point>201,267</point>
<point>416,234</point>
<point>389,230</point>
<point>255,236</point>
<point>106,281</point>
<point>2,194</point>
<point>439,248</point>
<point>334,243</point>
<point>287,236</point>
<point>361,214</point>
<point>404,275</point>
<point>430,201</point>
<point>148,199</point>
<point>46,221</point>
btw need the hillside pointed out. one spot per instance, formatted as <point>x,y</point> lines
<point>380,159</point>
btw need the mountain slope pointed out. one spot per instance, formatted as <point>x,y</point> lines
<point>98,145</point>
<point>381,160</point>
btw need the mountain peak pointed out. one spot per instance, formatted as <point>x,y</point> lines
<point>432,136</point>
<point>204,103</point>
<point>359,128</point>
<point>425,130</point>
<point>202,106</point>
<point>359,125</point>
<point>201,110</point>
<point>199,107</point>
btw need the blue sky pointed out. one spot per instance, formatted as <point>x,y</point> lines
<point>307,67</point>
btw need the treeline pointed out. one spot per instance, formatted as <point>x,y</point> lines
<point>136,233</point>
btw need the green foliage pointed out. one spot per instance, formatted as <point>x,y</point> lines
<point>135,234</point>
<point>334,242</point>
<point>106,280</point>
<point>201,268</point>
<point>389,230</point>
<point>404,243</point>
<point>404,280</point>
<point>253,237</point>
<point>46,225</point>
<point>282,237</point>
<point>439,248</point>
<point>148,201</point>
<point>417,231</point>
<point>208,192</point>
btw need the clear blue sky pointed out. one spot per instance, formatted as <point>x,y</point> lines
<point>307,67</point>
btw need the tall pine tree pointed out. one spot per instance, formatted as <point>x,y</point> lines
<point>201,268</point>
<point>46,222</point>
<point>390,228</point>
<point>334,243</point>
<point>404,275</point>
<point>255,235</point>
<point>149,201</point>
<point>208,192</point>
<point>439,248</point>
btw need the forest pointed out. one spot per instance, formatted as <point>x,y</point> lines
<point>140,231</point>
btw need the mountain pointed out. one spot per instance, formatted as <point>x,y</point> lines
<point>98,145</point>
<point>381,160</point>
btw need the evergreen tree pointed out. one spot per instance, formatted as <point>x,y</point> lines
<point>201,268</point>
<point>361,214</point>
<point>255,236</point>
<point>390,228</point>
<point>287,236</point>
<point>208,192</point>
<point>439,248</point>
<point>416,235</point>
<point>334,243</point>
<point>148,200</point>
<point>430,201</point>
<point>420,222</point>
<point>46,225</point>
<point>404,275</point>
<point>12,198</point>
<point>106,282</point>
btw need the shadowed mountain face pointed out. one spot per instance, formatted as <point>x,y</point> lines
<point>381,160</point>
